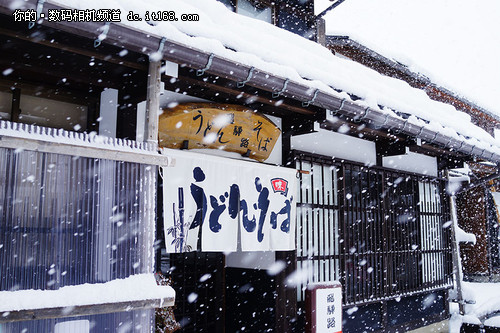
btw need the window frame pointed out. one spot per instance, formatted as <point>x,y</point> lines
<point>354,228</point>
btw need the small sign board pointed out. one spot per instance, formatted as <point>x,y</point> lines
<point>324,307</point>
<point>232,128</point>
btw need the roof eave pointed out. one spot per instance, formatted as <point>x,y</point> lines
<point>332,41</point>
<point>139,41</point>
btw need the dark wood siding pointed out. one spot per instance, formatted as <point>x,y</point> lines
<point>472,219</point>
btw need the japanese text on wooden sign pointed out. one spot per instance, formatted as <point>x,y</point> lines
<point>227,127</point>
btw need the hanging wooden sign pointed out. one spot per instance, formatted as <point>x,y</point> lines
<point>232,128</point>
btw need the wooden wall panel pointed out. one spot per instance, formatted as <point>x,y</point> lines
<point>472,219</point>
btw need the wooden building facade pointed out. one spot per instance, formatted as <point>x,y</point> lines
<point>371,201</point>
<point>477,208</point>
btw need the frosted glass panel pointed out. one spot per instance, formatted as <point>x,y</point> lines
<point>74,326</point>
<point>68,220</point>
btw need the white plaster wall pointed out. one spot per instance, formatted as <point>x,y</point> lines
<point>412,162</point>
<point>336,145</point>
<point>140,129</point>
<point>108,113</point>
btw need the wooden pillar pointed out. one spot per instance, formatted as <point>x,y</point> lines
<point>92,123</point>
<point>153,102</point>
<point>160,231</point>
<point>127,117</point>
<point>151,136</point>
<point>457,265</point>
<point>487,223</point>
<point>16,105</point>
<point>286,295</point>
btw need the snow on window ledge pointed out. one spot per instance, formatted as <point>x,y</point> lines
<point>135,292</point>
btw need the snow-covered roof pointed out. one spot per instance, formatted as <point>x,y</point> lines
<point>400,70</point>
<point>249,42</point>
<point>454,43</point>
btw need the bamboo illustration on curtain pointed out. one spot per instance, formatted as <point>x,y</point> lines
<point>210,203</point>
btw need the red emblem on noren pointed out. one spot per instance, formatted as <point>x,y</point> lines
<point>280,185</point>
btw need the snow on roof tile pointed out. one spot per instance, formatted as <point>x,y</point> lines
<point>454,43</point>
<point>281,53</point>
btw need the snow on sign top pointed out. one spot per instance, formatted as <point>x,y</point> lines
<point>270,49</point>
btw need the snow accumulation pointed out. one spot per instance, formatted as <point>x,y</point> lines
<point>464,237</point>
<point>274,50</point>
<point>134,288</point>
<point>24,131</point>
<point>485,296</point>
<point>454,43</point>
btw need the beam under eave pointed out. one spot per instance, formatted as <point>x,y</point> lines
<point>230,89</point>
<point>153,102</point>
